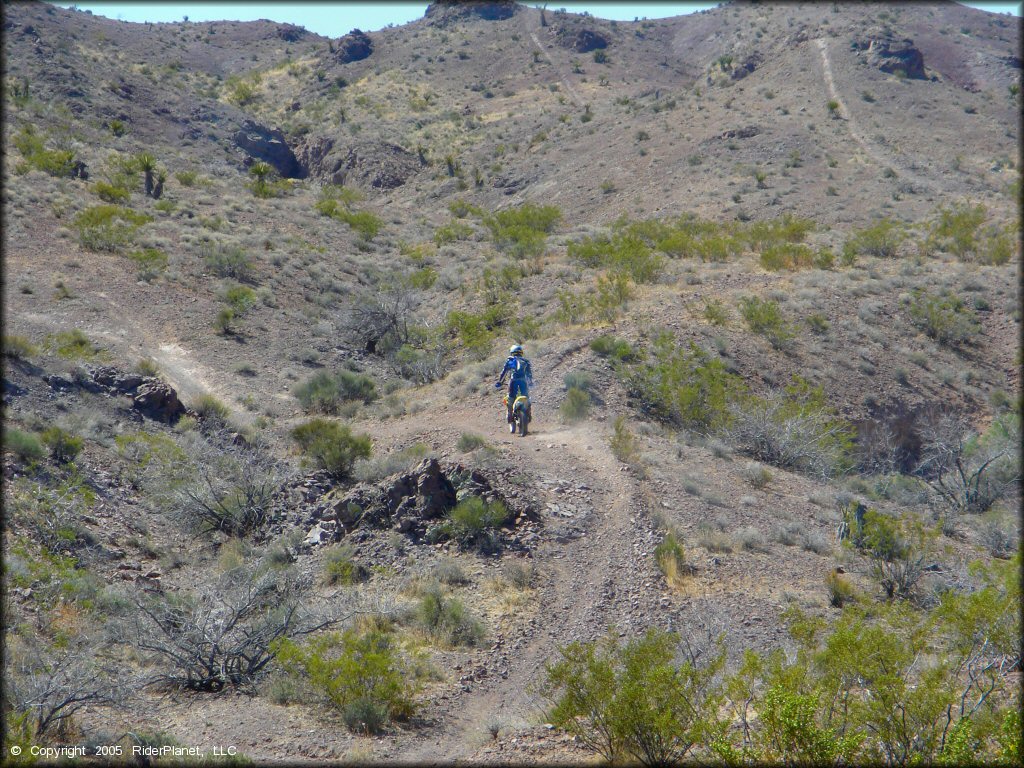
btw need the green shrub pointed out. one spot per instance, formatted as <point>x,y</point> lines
<point>840,590</point>
<point>764,317</point>
<point>325,392</point>
<point>957,230</point>
<point>609,346</point>
<point>447,620</point>
<point>715,312</point>
<point>818,323</point>
<point>331,446</point>
<point>451,232</point>
<point>625,251</point>
<point>111,193</point>
<point>108,227</point>
<point>791,256</point>
<point>239,298</point>
<point>623,442</point>
<point>341,568</point>
<point>24,445</point>
<point>469,442</point>
<point>209,408</point>
<point>55,162</point>
<point>671,558</point>
<point>473,522</point>
<point>576,405</point>
<point>73,345</point>
<point>187,178</point>
<point>944,317</point>
<point>363,675</point>
<point>579,380</point>
<point>523,231</point>
<point>635,703</point>
<point>477,331</point>
<point>881,239</point>
<point>227,260</point>
<point>684,386</point>
<point>18,347</point>
<point>63,446</point>
<point>151,262</point>
<point>337,205</point>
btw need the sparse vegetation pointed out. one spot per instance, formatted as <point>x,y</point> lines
<point>331,446</point>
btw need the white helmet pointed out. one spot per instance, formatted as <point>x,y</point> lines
<point>515,349</point>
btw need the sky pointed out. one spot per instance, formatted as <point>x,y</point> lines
<point>336,19</point>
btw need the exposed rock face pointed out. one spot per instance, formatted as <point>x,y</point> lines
<point>268,145</point>
<point>116,380</point>
<point>408,502</point>
<point>892,55</point>
<point>749,64</point>
<point>583,40</point>
<point>369,164</point>
<point>355,46</point>
<point>158,400</point>
<point>445,13</point>
<point>291,33</point>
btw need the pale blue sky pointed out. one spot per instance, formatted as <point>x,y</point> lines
<point>336,19</point>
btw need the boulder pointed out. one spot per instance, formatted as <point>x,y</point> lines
<point>747,66</point>
<point>291,33</point>
<point>586,40</point>
<point>891,54</point>
<point>435,493</point>
<point>268,145</point>
<point>158,400</point>
<point>116,380</point>
<point>355,46</point>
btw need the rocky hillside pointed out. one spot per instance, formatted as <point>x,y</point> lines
<point>259,284</point>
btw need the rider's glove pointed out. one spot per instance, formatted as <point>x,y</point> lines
<point>497,385</point>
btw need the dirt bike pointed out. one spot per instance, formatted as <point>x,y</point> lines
<point>521,414</point>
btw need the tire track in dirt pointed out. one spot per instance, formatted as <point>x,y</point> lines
<point>870,148</point>
<point>562,78</point>
<point>585,584</point>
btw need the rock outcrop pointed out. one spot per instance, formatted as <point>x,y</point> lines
<point>445,13</point>
<point>582,40</point>
<point>152,397</point>
<point>411,501</point>
<point>368,164</point>
<point>268,145</point>
<point>355,46</point>
<point>892,55</point>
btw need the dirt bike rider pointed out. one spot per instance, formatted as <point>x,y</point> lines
<point>522,378</point>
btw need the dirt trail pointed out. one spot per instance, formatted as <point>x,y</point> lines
<point>585,584</point>
<point>871,148</point>
<point>561,76</point>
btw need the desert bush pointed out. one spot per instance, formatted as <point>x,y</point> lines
<point>715,312</point>
<point>55,162</point>
<point>110,193</point>
<point>957,230</point>
<point>751,539</point>
<point>757,475</point>
<point>325,392</point>
<point>226,260</point>
<point>968,472</point>
<point>472,522</point>
<point>764,317</point>
<point>448,571</point>
<point>64,447</point>
<point>73,345</point>
<point>881,239</point>
<point>151,263</point>
<point>625,251</point>
<point>224,633</point>
<point>635,702</point>
<point>18,347</point>
<point>451,232</point>
<point>447,620</point>
<point>671,558</point>
<point>684,386</point>
<point>576,405</point>
<point>617,349</point>
<point>794,429</point>
<point>840,590</point>
<point>791,256</point>
<point>340,568</point>
<point>108,227</point>
<point>239,298</point>
<point>623,443</point>
<point>25,445</point>
<point>210,409</point>
<point>470,442</point>
<point>522,231</point>
<point>897,563</point>
<point>331,446</point>
<point>370,470</point>
<point>944,318</point>
<point>477,331</point>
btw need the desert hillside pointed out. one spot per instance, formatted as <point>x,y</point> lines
<point>259,284</point>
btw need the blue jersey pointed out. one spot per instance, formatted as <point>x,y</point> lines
<point>519,368</point>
